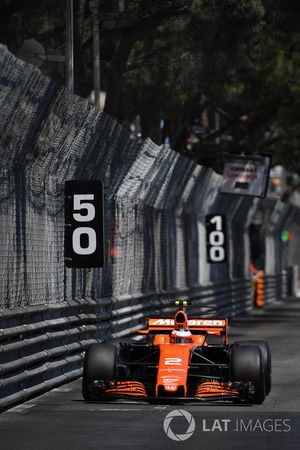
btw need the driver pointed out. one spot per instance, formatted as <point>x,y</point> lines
<point>181,333</point>
<point>181,336</point>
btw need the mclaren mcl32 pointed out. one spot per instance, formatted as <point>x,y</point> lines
<point>179,358</point>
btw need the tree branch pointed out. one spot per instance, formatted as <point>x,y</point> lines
<point>139,25</point>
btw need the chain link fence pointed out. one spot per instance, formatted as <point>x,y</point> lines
<point>155,201</point>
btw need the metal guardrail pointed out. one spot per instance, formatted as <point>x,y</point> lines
<point>275,287</point>
<point>42,346</point>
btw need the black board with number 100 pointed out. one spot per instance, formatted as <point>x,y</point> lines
<point>216,238</point>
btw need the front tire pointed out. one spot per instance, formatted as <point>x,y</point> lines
<point>247,365</point>
<point>99,365</point>
<point>266,359</point>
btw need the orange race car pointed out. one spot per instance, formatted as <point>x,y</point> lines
<point>180,358</point>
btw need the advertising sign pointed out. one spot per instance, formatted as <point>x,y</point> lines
<point>246,176</point>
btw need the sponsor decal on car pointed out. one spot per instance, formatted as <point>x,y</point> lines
<point>170,380</point>
<point>190,322</point>
<point>170,387</point>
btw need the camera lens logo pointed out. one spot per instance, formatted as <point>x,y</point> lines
<point>179,413</point>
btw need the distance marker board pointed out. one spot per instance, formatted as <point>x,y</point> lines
<point>84,234</point>
<point>216,238</point>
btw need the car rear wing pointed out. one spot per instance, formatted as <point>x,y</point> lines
<point>211,326</point>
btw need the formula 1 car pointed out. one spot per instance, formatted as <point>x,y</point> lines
<point>181,358</point>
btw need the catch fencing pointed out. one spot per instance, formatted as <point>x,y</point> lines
<point>156,201</point>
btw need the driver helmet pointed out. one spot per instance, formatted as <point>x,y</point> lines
<point>181,336</point>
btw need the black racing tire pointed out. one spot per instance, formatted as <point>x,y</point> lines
<point>266,357</point>
<point>99,364</point>
<point>87,393</point>
<point>247,365</point>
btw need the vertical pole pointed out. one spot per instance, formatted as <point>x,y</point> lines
<point>96,44</point>
<point>69,65</point>
<point>217,125</point>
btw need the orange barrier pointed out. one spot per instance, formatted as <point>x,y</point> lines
<point>259,289</point>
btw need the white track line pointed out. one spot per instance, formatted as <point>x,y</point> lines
<point>117,409</point>
<point>21,408</point>
<point>61,390</point>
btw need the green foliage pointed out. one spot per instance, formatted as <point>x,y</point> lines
<point>206,52</point>
<point>186,59</point>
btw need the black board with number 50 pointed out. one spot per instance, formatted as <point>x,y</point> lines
<point>216,239</point>
<point>84,236</point>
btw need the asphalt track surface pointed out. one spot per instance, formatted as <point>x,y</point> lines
<point>61,419</point>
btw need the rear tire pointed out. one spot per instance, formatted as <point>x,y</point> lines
<point>99,365</point>
<point>247,365</point>
<point>266,359</point>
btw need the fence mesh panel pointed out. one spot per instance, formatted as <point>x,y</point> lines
<point>155,201</point>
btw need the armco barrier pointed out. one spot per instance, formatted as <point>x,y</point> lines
<point>281,215</point>
<point>275,287</point>
<point>42,346</point>
<point>270,288</point>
